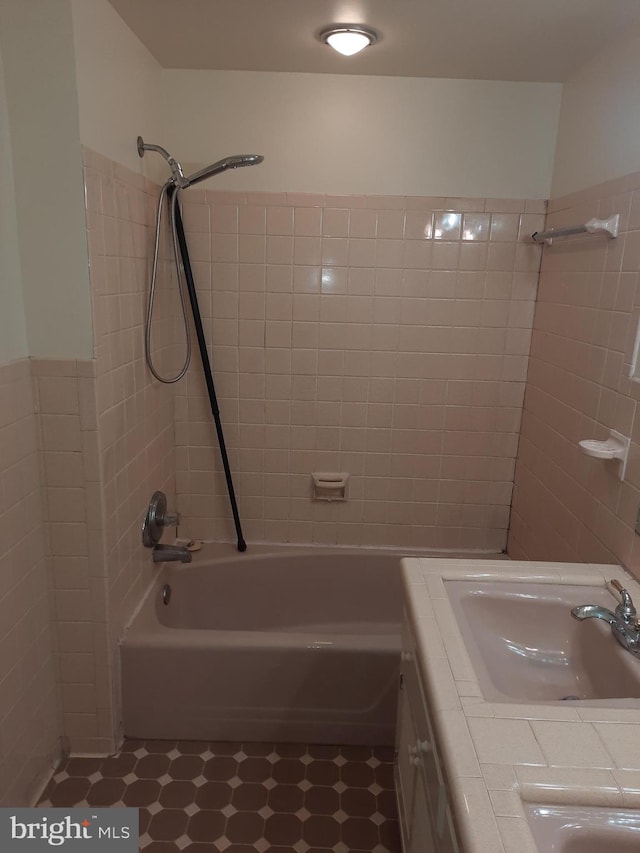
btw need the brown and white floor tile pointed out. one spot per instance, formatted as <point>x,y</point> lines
<point>242,798</point>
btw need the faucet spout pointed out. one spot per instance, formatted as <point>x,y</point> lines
<point>171,554</point>
<point>624,627</point>
<point>593,611</point>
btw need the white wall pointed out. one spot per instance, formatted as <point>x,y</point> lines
<point>599,133</point>
<point>117,80</point>
<point>37,49</point>
<point>13,332</point>
<point>380,135</point>
<point>318,132</point>
<point>73,73</point>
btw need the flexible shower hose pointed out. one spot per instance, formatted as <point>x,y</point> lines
<point>173,206</point>
<point>186,282</point>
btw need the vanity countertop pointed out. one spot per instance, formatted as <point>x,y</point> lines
<point>499,754</point>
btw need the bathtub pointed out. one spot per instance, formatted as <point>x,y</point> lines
<point>284,644</point>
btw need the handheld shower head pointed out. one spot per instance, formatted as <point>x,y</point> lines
<point>236,161</point>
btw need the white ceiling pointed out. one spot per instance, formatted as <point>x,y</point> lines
<point>520,40</point>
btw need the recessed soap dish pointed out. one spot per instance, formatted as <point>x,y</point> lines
<point>614,447</point>
<point>330,485</point>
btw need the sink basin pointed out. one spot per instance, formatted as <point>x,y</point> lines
<point>573,829</point>
<point>526,647</point>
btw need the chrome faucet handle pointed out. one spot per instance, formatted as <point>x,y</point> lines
<point>625,610</point>
<point>156,519</point>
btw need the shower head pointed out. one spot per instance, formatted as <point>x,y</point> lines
<point>179,179</point>
<point>234,162</point>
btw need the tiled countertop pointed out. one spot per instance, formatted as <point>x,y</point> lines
<point>497,754</point>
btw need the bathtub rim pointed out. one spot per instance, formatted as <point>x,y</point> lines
<point>213,551</point>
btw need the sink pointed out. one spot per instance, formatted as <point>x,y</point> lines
<point>526,647</point>
<point>575,829</point>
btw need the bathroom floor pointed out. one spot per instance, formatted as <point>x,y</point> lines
<point>202,797</point>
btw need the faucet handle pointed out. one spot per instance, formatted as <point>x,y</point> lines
<point>156,519</point>
<point>625,609</point>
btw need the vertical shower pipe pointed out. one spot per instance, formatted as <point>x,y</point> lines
<point>206,366</point>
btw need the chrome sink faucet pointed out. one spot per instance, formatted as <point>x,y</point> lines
<point>625,627</point>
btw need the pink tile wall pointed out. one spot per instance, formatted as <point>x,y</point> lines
<point>566,505</point>
<point>383,336</point>
<point>29,702</point>
<point>106,434</point>
<point>65,400</point>
<point>134,414</point>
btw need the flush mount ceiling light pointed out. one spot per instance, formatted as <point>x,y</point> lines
<point>348,39</point>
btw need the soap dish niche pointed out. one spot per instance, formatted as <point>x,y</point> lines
<point>329,485</point>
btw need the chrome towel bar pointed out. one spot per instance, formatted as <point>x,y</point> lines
<point>593,226</point>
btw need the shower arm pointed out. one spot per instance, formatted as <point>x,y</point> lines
<point>176,168</point>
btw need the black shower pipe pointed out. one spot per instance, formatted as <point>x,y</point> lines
<point>206,367</point>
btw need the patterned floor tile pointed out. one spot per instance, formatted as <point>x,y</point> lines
<point>202,797</point>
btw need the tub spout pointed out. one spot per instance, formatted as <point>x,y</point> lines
<point>171,554</point>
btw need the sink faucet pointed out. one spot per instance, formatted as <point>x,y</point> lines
<point>624,625</point>
<point>171,554</point>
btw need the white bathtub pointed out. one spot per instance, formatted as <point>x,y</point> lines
<point>277,645</point>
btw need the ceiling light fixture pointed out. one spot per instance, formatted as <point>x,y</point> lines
<point>348,39</point>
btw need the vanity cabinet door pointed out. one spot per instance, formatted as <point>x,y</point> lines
<point>405,769</point>
<point>415,818</point>
<point>449,843</point>
<point>425,815</point>
<point>421,827</point>
<point>427,750</point>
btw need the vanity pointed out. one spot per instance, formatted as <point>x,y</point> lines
<point>426,820</point>
<point>513,717</point>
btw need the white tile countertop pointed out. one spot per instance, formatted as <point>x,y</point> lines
<point>497,754</point>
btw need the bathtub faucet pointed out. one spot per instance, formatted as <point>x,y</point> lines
<point>624,625</point>
<point>171,554</point>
